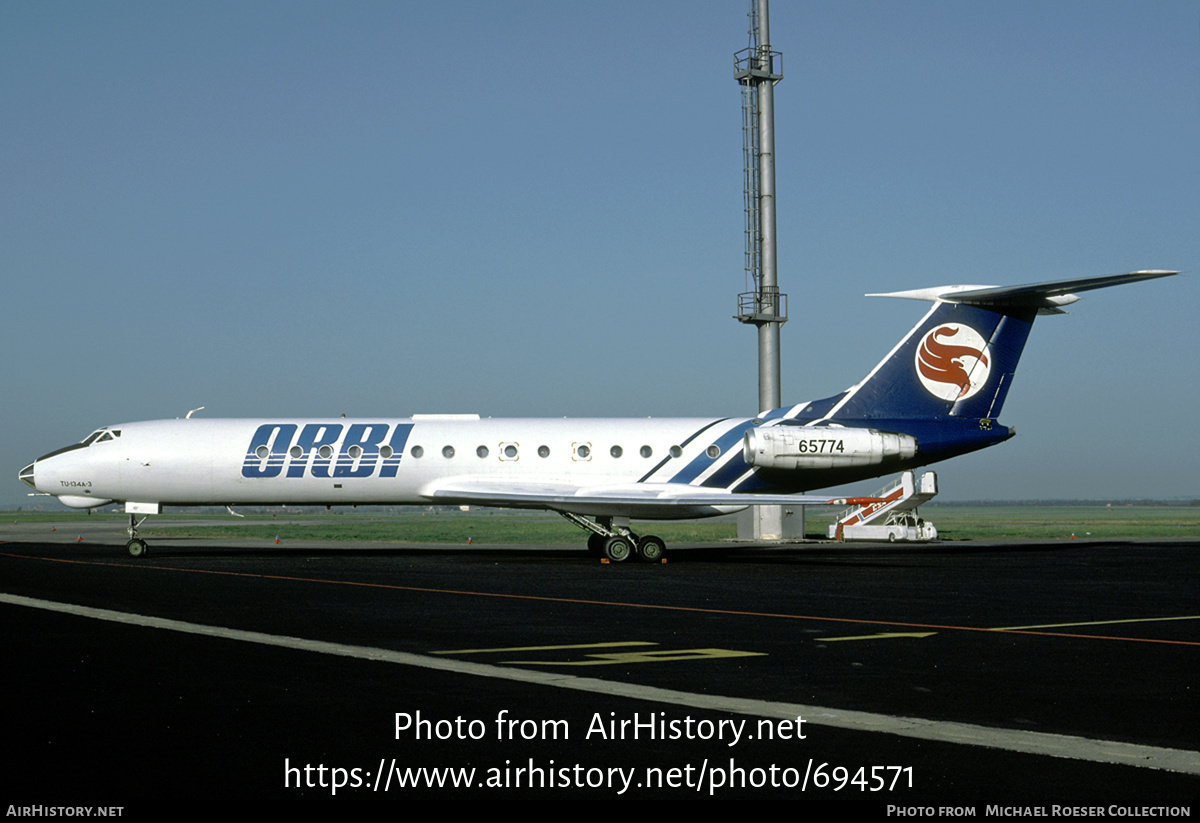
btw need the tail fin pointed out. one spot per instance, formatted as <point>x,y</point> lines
<point>959,360</point>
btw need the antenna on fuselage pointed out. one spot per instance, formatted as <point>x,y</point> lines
<point>188,416</point>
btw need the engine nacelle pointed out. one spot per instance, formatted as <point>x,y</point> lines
<point>801,447</point>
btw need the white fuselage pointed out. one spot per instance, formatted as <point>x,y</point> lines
<point>377,461</point>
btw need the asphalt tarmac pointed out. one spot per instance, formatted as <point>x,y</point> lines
<point>954,679</point>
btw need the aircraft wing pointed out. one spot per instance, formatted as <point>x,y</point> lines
<point>647,500</point>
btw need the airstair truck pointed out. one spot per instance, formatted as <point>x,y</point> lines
<point>891,515</point>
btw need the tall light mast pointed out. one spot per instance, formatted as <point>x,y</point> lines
<point>758,69</point>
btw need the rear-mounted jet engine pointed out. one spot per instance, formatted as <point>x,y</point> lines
<point>803,447</point>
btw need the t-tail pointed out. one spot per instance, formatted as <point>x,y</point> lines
<point>935,395</point>
<point>960,359</point>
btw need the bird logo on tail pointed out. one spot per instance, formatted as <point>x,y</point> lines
<point>952,362</point>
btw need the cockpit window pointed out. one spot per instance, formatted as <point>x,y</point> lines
<point>100,436</point>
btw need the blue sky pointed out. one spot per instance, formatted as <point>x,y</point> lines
<point>535,208</point>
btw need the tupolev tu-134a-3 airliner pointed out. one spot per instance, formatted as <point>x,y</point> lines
<point>937,394</point>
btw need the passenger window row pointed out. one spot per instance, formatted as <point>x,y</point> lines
<point>580,451</point>
<point>508,451</point>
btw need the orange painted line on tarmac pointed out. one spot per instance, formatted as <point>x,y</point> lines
<point>141,566</point>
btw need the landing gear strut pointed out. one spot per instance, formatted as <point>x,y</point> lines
<point>615,542</point>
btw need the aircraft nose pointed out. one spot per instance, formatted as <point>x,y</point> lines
<point>26,475</point>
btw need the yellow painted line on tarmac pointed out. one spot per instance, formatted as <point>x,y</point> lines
<point>1094,623</point>
<point>608,658</point>
<point>626,658</point>
<point>550,648</point>
<point>883,636</point>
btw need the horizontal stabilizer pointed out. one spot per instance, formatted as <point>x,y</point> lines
<point>1047,298</point>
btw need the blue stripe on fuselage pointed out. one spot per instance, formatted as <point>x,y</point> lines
<point>702,461</point>
<point>682,445</point>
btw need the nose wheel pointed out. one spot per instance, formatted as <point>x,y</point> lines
<point>136,546</point>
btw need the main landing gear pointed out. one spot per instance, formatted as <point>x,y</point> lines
<point>615,542</point>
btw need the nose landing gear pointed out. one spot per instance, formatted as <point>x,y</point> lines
<point>136,546</point>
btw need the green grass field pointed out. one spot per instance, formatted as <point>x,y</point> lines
<point>954,522</point>
<point>966,522</point>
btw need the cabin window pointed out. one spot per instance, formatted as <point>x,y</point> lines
<point>447,452</point>
<point>583,451</point>
<point>713,451</point>
<point>262,452</point>
<point>676,451</point>
<point>296,452</point>
<point>616,451</point>
<point>543,451</point>
<point>646,451</point>
<point>385,452</point>
<point>482,451</point>
<point>325,452</point>
<point>510,451</point>
<point>417,451</point>
<point>354,451</point>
